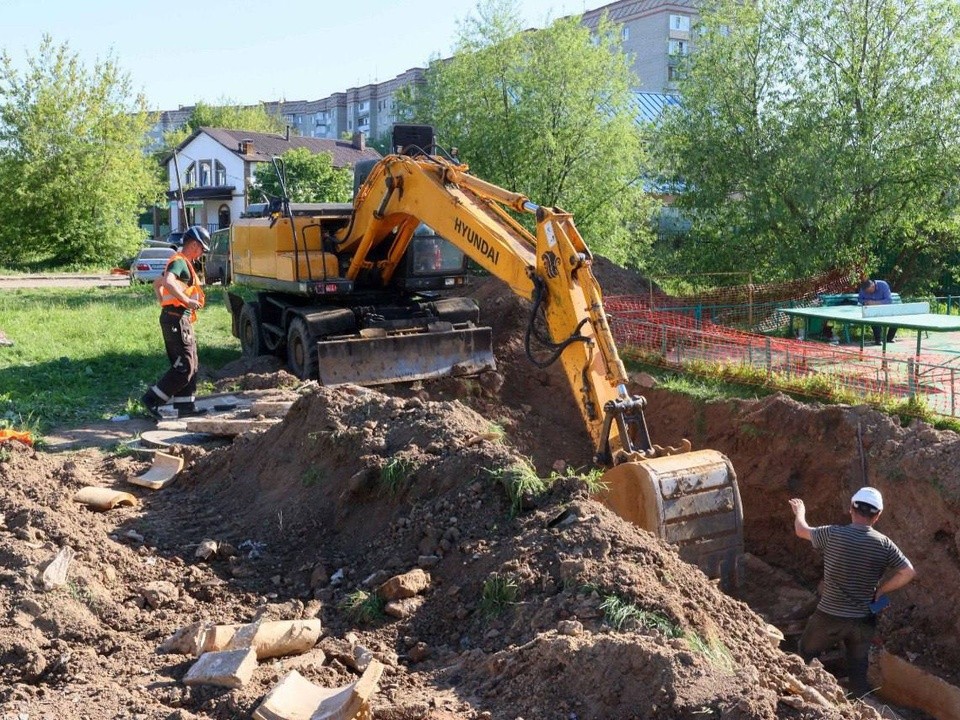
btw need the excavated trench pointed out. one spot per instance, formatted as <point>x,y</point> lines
<point>780,449</point>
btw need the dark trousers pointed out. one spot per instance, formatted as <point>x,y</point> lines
<point>180,381</point>
<point>891,333</point>
<point>824,632</point>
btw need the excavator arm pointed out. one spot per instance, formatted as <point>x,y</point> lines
<point>687,498</point>
<point>552,269</point>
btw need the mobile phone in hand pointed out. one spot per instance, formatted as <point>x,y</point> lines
<point>879,604</point>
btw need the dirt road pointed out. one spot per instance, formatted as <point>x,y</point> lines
<point>61,280</point>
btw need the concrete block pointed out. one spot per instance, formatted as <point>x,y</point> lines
<point>226,668</point>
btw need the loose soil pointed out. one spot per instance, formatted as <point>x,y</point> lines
<point>357,485</point>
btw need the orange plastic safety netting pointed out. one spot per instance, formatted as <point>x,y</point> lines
<point>20,435</point>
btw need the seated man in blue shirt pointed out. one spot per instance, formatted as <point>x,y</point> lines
<point>877,292</point>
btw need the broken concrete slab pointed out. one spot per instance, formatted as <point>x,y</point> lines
<point>270,408</point>
<point>276,638</point>
<point>55,574</point>
<point>296,698</point>
<point>100,498</point>
<point>905,685</point>
<point>163,472</point>
<point>226,668</point>
<point>269,639</point>
<point>229,427</point>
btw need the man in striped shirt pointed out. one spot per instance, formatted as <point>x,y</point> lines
<point>856,559</point>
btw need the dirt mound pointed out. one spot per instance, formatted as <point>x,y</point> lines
<point>352,487</point>
<point>536,605</point>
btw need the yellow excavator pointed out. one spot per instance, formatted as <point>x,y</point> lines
<point>353,293</point>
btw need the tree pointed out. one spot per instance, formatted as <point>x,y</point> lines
<point>309,177</point>
<point>547,113</point>
<point>818,133</point>
<point>225,114</point>
<point>72,167</point>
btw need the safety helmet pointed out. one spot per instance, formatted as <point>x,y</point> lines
<point>198,233</point>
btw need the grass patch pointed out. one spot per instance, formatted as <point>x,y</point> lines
<point>499,592</point>
<point>394,475</point>
<point>520,481</point>
<point>592,478</point>
<point>81,355</point>
<point>363,608</point>
<point>716,652</point>
<point>618,613</point>
<point>311,476</point>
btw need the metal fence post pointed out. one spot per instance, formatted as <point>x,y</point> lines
<point>911,378</point>
<point>953,393</point>
<point>769,358</point>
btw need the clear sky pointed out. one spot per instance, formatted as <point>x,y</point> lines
<point>246,52</point>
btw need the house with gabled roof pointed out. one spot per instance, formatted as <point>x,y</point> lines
<point>215,167</point>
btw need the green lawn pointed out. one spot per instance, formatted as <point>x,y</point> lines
<point>86,354</point>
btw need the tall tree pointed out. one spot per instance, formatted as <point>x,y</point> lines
<point>815,133</point>
<point>309,177</point>
<point>548,113</point>
<point>224,114</point>
<point>72,167</point>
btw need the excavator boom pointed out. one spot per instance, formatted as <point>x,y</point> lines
<point>688,498</point>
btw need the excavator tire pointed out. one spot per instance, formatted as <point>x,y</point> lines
<point>250,332</point>
<point>690,500</point>
<point>301,350</point>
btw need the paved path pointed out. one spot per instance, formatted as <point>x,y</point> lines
<point>62,280</point>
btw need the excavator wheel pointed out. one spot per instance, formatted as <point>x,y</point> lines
<point>249,330</point>
<point>690,500</point>
<point>301,350</point>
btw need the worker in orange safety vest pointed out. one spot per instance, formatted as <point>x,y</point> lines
<point>180,296</point>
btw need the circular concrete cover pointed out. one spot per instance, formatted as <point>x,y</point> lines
<point>166,438</point>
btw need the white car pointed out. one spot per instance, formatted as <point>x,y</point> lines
<point>149,264</point>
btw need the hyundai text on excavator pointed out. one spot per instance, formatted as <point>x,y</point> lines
<point>352,293</point>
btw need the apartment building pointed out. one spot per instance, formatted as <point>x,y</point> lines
<point>656,34</point>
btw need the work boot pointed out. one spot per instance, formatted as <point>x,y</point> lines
<point>185,410</point>
<point>151,403</point>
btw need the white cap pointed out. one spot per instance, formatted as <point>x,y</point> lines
<point>870,496</point>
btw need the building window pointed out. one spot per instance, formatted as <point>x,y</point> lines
<point>625,33</point>
<point>205,174</point>
<point>674,74</point>
<point>190,176</point>
<point>678,47</point>
<point>680,22</point>
<point>220,172</point>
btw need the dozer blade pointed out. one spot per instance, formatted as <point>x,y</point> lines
<point>690,500</point>
<point>402,358</point>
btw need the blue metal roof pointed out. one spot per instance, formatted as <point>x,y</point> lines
<point>649,106</point>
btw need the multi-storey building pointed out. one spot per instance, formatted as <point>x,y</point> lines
<point>656,33</point>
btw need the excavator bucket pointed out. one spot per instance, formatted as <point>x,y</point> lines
<point>690,500</point>
<point>388,358</point>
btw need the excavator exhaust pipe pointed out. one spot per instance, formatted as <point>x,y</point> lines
<point>690,500</point>
<point>389,358</point>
